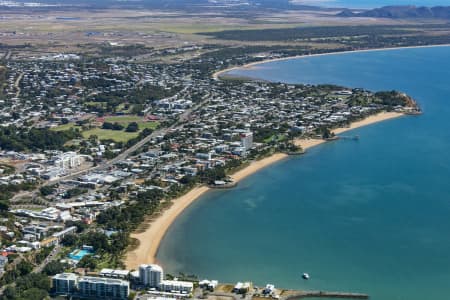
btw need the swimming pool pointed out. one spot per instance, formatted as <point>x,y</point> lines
<point>78,254</point>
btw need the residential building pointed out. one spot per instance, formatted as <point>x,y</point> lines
<point>69,160</point>
<point>151,275</point>
<point>103,288</point>
<point>176,286</point>
<point>65,283</point>
<point>61,234</point>
<point>247,140</point>
<point>114,273</point>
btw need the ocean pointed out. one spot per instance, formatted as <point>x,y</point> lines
<point>367,216</point>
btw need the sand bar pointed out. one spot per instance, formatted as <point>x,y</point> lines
<point>150,239</point>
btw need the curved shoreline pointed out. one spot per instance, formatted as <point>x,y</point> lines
<point>150,239</point>
<point>217,74</point>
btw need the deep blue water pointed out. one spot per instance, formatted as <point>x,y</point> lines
<point>372,3</point>
<point>369,216</point>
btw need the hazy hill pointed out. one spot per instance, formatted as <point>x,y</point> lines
<point>402,12</point>
<point>165,4</point>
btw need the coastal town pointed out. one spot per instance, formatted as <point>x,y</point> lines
<point>215,149</point>
<point>89,149</point>
<point>108,133</point>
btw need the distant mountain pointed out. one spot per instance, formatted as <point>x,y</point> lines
<point>157,4</point>
<point>401,12</point>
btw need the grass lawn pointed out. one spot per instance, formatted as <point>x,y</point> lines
<point>123,119</point>
<point>149,125</point>
<point>115,135</point>
<point>121,108</point>
<point>64,127</point>
<point>106,261</point>
<point>275,138</point>
<point>106,134</point>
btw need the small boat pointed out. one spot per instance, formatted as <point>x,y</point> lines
<point>305,276</point>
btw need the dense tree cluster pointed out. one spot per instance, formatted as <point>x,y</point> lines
<point>31,286</point>
<point>210,175</point>
<point>129,217</point>
<point>109,102</point>
<point>74,192</point>
<point>393,98</point>
<point>112,126</point>
<point>47,190</point>
<point>288,34</point>
<point>21,269</point>
<point>34,139</point>
<point>7,191</point>
<point>362,36</point>
<point>132,127</point>
<point>54,267</point>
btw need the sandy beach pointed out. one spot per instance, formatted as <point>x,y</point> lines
<point>150,239</point>
<point>217,74</point>
<point>383,116</point>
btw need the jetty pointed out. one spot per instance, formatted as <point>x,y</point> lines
<point>346,137</point>
<point>236,292</point>
<point>333,138</point>
<point>220,184</point>
<point>291,295</point>
<point>300,152</point>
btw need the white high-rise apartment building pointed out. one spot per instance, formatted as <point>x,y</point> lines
<point>247,140</point>
<point>151,275</point>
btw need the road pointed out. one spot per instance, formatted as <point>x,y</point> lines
<point>8,55</point>
<point>52,256</point>
<point>17,84</point>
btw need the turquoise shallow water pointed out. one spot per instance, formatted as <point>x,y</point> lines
<point>369,216</point>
